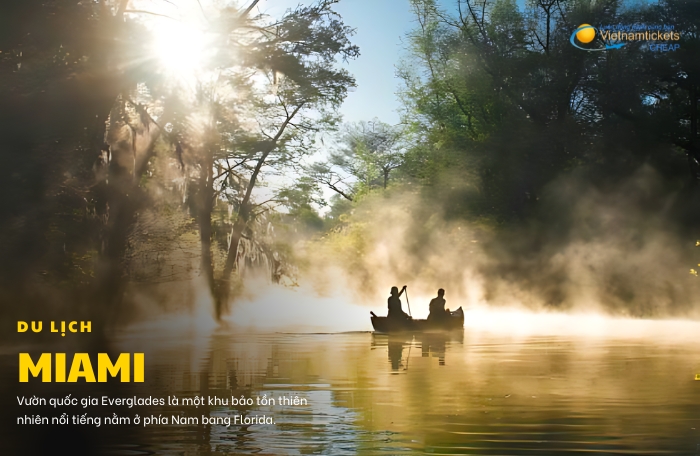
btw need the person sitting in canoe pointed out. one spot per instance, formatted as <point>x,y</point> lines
<point>395,310</point>
<point>437,307</point>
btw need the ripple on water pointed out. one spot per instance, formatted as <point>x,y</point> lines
<point>467,394</point>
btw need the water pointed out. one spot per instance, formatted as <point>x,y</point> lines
<point>466,393</point>
<point>508,385</point>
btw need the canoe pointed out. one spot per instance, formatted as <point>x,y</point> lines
<point>386,325</point>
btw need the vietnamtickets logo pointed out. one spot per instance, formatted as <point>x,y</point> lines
<point>585,34</point>
<point>659,37</point>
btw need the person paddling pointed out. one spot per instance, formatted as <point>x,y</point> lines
<point>394,303</point>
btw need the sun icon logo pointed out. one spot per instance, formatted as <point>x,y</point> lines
<point>585,33</point>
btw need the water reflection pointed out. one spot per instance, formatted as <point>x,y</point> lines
<point>399,346</point>
<point>436,344</point>
<point>455,394</point>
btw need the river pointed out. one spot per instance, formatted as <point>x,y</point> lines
<point>472,392</point>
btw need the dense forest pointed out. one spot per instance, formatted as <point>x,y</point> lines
<point>523,169</point>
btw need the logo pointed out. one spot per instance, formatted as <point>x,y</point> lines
<point>586,33</point>
<point>659,37</point>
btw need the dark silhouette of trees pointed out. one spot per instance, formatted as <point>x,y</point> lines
<point>86,111</point>
<point>498,95</point>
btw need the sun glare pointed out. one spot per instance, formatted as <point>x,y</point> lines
<point>182,50</point>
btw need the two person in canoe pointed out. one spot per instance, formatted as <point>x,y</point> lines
<point>437,306</point>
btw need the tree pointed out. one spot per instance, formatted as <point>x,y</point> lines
<point>63,66</point>
<point>108,107</point>
<point>671,87</point>
<point>365,156</point>
<point>301,200</point>
<point>368,148</point>
<point>287,90</point>
<point>496,98</point>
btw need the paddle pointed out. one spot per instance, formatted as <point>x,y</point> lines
<point>409,304</point>
<point>409,348</point>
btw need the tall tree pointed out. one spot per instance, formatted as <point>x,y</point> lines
<point>293,88</point>
<point>62,68</point>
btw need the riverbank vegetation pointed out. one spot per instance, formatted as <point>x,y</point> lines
<point>145,148</point>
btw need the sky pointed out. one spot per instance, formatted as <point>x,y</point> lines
<point>381,27</point>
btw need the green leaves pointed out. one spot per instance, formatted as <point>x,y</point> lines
<point>496,93</point>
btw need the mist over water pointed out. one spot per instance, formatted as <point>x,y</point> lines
<point>553,359</point>
<point>595,259</point>
<point>300,310</point>
<point>617,249</point>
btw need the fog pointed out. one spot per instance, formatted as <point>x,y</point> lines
<point>616,250</point>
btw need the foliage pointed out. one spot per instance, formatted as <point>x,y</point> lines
<point>134,144</point>
<point>495,96</point>
<point>365,155</point>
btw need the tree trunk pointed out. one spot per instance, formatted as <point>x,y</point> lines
<point>205,206</point>
<point>223,288</point>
